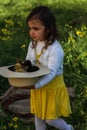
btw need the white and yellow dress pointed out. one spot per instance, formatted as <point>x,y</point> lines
<point>49,99</point>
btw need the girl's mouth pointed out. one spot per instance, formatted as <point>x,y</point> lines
<point>33,37</point>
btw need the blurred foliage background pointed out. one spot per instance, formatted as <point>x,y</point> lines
<point>71,17</point>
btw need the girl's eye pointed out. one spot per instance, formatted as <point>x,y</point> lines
<point>35,28</point>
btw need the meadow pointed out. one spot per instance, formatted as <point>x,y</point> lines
<point>71,16</point>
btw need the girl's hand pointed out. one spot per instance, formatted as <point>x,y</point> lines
<point>27,87</point>
<point>32,87</point>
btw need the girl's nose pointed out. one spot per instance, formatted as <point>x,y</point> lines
<point>32,32</point>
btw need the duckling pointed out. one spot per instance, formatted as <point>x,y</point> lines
<point>19,67</point>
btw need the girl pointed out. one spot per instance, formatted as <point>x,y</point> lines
<point>49,97</point>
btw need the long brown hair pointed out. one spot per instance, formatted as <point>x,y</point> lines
<point>46,16</point>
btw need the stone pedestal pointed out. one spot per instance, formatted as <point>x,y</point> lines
<point>16,101</point>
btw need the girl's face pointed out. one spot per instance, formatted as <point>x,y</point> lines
<point>37,30</point>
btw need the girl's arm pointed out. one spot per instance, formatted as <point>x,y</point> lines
<point>55,60</point>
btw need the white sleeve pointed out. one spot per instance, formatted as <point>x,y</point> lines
<point>54,61</point>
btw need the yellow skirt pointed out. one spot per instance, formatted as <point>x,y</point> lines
<point>50,101</point>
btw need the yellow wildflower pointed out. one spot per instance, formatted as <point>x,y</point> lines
<point>15,118</point>
<point>3,30</point>
<point>69,49</point>
<point>15,126</point>
<point>82,112</point>
<point>4,39</point>
<point>80,34</point>
<point>4,127</point>
<point>83,28</point>
<point>23,46</point>
<point>10,22</point>
<point>85,54</point>
<point>71,39</point>
<point>10,124</point>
